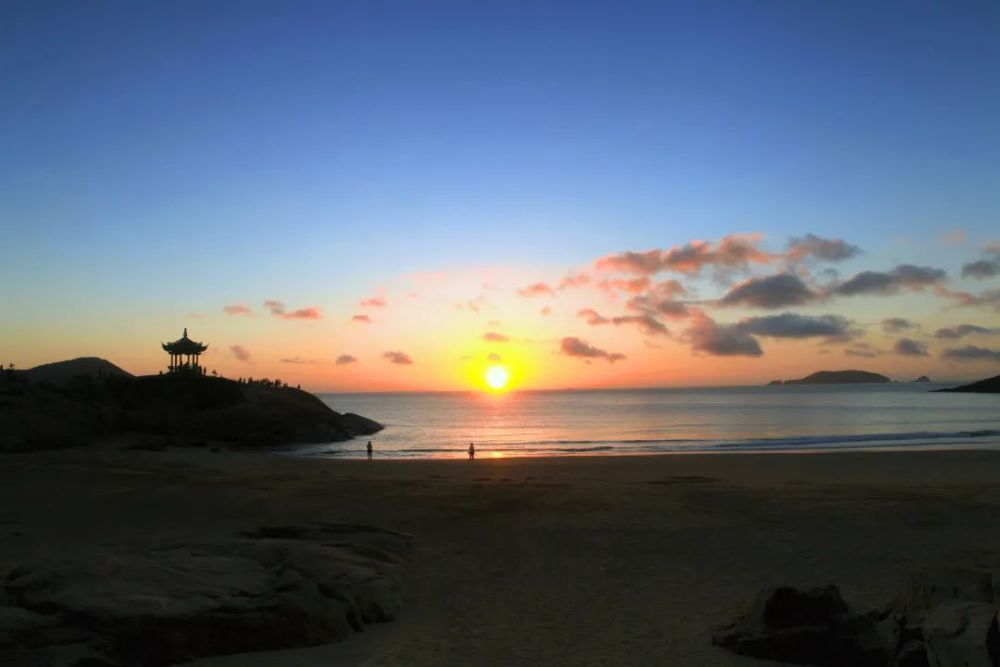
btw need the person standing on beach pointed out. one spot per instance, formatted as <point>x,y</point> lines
<point>472,452</point>
<point>369,450</point>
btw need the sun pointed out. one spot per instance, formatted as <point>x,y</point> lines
<point>497,377</point>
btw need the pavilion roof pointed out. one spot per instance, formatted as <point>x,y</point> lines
<point>184,345</point>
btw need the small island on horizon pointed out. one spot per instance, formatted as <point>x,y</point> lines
<point>837,377</point>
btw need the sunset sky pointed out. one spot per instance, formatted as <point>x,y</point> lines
<point>396,195</point>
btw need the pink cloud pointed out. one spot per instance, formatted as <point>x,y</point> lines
<point>277,309</point>
<point>631,285</point>
<point>374,302</point>
<point>536,289</point>
<point>362,318</point>
<point>735,251</point>
<point>593,317</point>
<point>575,347</point>
<point>346,359</point>
<point>576,280</point>
<point>237,309</point>
<point>397,357</point>
<point>241,353</point>
<point>494,337</point>
<point>547,310</point>
<point>647,324</point>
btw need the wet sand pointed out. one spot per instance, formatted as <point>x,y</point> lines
<point>556,561</point>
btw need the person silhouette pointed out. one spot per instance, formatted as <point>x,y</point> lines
<point>369,450</point>
<point>472,452</point>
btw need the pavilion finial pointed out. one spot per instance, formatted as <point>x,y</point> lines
<point>185,332</point>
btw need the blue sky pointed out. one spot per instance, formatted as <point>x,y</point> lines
<point>317,149</point>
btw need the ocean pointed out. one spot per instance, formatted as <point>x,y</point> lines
<point>667,421</point>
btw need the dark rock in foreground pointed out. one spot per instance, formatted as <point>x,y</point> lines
<point>272,589</point>
<point>839,377</point>
<point>944,618</point>
<point>811,627</point>
<point>987,386</point>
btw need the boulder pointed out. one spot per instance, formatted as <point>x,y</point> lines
<point>303,586</point>
<point>959,633</point>
<point>804,627</point>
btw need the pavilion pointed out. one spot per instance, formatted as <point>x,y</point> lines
<point>184,354</point>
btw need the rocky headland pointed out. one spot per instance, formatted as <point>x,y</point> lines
<point>838,377</point>
<point>987,386</point>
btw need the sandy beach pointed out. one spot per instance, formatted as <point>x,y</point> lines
<point>557,561</point>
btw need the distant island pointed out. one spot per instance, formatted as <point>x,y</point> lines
<point>987,386</point>
<point>837,377</point>
<point>922,378</point>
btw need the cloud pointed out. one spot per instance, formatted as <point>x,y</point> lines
<point>648,325</point>
<point>241,353</point>
<point>954,333</point>
<point>861,349</point>
<point>574,347</point>
<point>971,353</point>
<point>574,280</point>
<point>362,318</point>
<point>984,268</point>
<point>777,291</point>
<point>630,285</point>
<point>494,337</point>
<point>733,252</point>
<point>237,309</point>
<point>346,359</point>
<point>908,347</point>
<point>896,324</point>
<point>674,310</point>
<point>828,250</point>
<point>493,356</point>
<point>989,298</point>
<point>297,360</point>
<point>373,302</point>
<point>904,276</point>
<point>396,357</point>
<point>547,310</point>
<point>723,340</point>
<point>277,308</point>
<point>792,325</point>
<point>953,236</point>
<point>593,317</point>
<point>536,289</point>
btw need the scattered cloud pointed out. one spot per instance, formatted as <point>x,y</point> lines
<point>733,252</point>
<point>903,277</point>
<point>362,318</point>
<point>896,324</point>
<point>630,285</point>
<point>297,360</point>
<point>346,359</point>
<point>648,325</point>
<point>989,298</point>
<point>954,333</point>
<point>828,250</point>
<point>908,347</point>
<point>493,356</point>
<point>723,340</point>
<point>374,302</point>
<point>277,308</point>
<point>792,325</point>
<point>241,353</point>
<point>575,347</point>
<point>546,311</point>
<point>536,289</point>
<point>777,291</point>
<point>238,309</point>
<point>861,349</point>
<point>593,317</point>
<point>574,280</point>
<point>674,310</point>
<point>396,357</point>
<point>971,353</point>
<point>494,337</point>
<point>989,267</point>
<point>953,236</point>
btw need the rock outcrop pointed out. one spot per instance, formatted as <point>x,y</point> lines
<point>987,386</point>
<point>273,588</point>
<point>840,377</point>
<point>39,415</point>
<point>943,618</point>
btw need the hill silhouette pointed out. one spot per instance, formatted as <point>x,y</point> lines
<point>987,386</point>
<point>839,377</point>
<point>62,407</point>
